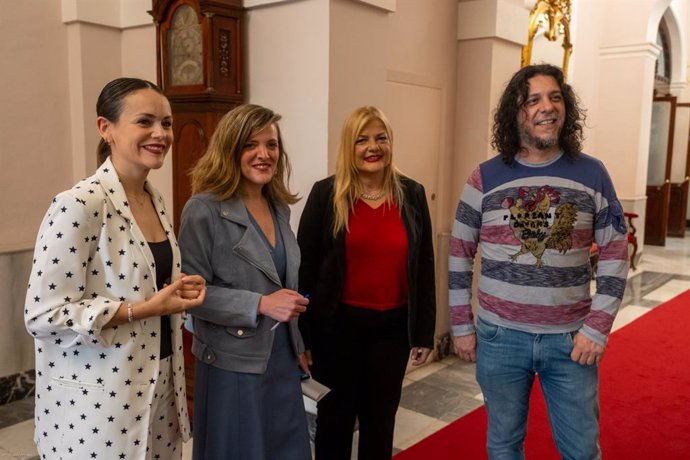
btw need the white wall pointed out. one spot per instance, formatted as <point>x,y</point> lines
<point>287,60</point>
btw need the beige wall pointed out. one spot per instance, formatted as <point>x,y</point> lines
<point>47,125</point>
<point>358,43</point>
<point>34,120</point>
<point>421,96</point>
<point>60,57</point>
<point>138,54</point>
<point>420,102</point>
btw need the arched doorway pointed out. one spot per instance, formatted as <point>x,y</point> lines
<point>669,155</point>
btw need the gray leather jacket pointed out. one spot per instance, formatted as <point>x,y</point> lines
<point>218,242</point>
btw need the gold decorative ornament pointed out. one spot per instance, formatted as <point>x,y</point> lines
<point>553,16</point>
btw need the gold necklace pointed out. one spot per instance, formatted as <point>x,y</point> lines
<point>373,196</point>
<point>143,198</point>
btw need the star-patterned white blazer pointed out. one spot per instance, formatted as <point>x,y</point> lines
<point>94,386</point>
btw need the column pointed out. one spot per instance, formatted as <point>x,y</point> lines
<point>628,53</point>
<point>491,34</point>
<point>313,61</point>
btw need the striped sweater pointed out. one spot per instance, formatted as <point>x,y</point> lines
<point>536,224</point>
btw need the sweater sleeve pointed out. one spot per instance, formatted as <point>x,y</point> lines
<point>463,247</point>
<point>610,234</point>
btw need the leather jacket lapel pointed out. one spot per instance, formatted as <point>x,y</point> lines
<point>250,247</point>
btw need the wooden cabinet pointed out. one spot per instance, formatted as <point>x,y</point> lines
<point>199,57</point>
<point>199,61</point>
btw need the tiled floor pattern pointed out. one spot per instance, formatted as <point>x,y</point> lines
<point>442,391</point>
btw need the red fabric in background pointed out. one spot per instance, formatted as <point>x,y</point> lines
<point>644,393</point>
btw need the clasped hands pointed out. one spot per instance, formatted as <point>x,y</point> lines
<point>188,291</point>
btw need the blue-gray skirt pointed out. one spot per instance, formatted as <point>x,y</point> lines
<point>241,416</point>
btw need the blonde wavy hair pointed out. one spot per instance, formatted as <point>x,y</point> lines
<point>218,171</point>
<point>347,184</point>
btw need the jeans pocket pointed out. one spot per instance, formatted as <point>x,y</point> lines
<point>570,338</point>
<point>487,332</point>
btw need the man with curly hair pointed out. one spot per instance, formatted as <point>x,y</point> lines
<point>535,209</point>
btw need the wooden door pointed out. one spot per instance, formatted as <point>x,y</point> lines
<point>659,170</point>
<point>678,209</point>
<point>680,170</point>
<point>192,130</point>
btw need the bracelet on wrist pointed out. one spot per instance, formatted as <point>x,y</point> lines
<point>130,312</point>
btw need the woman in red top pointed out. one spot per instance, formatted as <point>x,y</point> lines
<point>368,266</point>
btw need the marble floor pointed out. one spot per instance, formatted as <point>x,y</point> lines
<point>442,391</point>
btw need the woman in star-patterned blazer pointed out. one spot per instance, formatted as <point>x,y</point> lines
<point>109,370</point>
<point>235,232</point>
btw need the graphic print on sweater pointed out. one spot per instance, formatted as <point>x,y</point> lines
<point>534,224</point>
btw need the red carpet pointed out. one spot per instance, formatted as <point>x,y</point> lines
<point>644,394</point>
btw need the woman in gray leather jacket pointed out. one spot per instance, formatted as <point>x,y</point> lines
<point>235,233</point>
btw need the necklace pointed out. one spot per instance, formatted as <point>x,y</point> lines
<point>142,200</point>
<point>373,196</point>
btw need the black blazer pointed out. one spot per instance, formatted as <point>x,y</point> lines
<point>322,270</point>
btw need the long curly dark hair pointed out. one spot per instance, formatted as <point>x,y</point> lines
<point>505,137</point>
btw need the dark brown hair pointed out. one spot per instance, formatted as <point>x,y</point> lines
<point>109,104</point>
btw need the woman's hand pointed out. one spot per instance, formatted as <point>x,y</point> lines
<point>188,291</point>
<point>283,305</point>
<point>419,355</point>
<point>307,356</point>
<point>192,286</point>
<point>185,293</point>
<point>304,362</point>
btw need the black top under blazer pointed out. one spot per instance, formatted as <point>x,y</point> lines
<point>322,271</point>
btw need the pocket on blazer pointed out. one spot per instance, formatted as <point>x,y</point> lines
<point>241,332</point>
<point>78,384</point>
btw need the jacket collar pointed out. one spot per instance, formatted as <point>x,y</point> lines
<point>115,193</point>
<point>110,182</point>
<point>250,247</point>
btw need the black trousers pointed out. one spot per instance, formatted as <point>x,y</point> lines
<point>364,364</point>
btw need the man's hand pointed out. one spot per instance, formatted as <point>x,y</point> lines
<point>465,347</point>
<point>585,351</point>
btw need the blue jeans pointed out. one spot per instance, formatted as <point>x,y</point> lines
<point>507,361</point>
